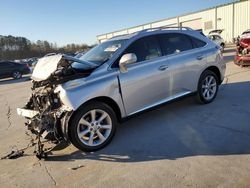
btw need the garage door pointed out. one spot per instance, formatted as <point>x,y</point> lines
<point>194,24</point>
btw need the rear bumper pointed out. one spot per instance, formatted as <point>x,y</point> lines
<point>242,60</point>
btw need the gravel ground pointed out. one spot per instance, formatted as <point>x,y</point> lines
<point>181,144</point>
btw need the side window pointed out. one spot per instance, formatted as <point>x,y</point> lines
<point>174,43</point>
<point>197,43</point>
<point>145,49</point>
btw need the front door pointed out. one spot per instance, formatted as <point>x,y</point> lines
<point>146,82</point>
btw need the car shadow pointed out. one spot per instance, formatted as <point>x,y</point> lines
<point>181,129</point>
<point>14,81</point>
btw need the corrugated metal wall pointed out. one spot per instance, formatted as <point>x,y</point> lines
<point>241,17</point>
<point>225,21</point>
<point>233,18</point>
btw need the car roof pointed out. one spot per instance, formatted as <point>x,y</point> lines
<point>153,31</point>
<point>123,37</point>
<point>6,61</point>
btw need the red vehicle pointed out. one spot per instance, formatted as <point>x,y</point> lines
<point>242,57</point>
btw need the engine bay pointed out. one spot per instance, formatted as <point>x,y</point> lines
<point>44,111</point>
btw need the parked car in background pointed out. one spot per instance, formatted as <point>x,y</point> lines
<point>12,69</point>
<point>242,57</point>
<point>49,54</point>
<point>215,36</point>
<point>32,61</point>
<point>72,54</point>
<point>79,54</point>
<point>245,34</point>
<point>80,100</point>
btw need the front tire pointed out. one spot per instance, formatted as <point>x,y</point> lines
<point>207,87</point>
<point>93,126</point>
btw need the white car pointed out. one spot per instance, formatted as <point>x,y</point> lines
<point>217,39</point>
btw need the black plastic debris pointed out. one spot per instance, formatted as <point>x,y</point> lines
<point>14,154</point>
<point>76,168</point>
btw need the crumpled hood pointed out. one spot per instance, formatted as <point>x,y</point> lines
<point>45,67</point>
<point>48,65</point>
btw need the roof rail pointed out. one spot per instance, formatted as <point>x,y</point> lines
<point>165,28</point>
<point>155,29</point>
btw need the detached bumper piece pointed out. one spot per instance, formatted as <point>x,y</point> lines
<point>26,113</point>
<point>45,126</point>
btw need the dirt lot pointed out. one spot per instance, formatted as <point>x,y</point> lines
<point>181,144</point>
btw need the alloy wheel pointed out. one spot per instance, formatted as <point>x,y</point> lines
<point>17,75</point>
<point>209,87</point>
<point>94,127</point>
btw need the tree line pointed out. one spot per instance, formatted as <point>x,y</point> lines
<point>12,48</point>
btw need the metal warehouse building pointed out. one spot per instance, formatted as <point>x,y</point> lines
<point>233,18</point>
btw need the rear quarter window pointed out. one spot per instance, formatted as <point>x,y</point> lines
<point>197,43</point>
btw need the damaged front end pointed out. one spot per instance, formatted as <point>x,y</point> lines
<point>242,57</point>
<point>46,115</point>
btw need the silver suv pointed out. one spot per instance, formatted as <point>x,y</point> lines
<point>81,100</point>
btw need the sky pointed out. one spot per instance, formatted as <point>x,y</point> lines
<point>80,21</point>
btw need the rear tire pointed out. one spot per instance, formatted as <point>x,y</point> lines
<point>207,87</point>
<point>93,126</point>
<point>222,47</point>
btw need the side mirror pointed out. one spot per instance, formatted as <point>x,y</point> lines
<point>126,60</point>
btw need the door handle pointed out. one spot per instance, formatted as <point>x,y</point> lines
<point>163,67</point>
<point>200,57</point>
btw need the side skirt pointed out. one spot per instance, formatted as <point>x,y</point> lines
<point>168,99</point>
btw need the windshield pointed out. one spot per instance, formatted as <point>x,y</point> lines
<point>100,54</point>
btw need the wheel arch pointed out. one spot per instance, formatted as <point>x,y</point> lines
<point>108,101</point>
<point>216,71</point>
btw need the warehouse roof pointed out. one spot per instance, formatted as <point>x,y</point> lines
<point>235,2</point>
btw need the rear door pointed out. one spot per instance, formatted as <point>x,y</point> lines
<point>145,83</point>
<point>185,61</point>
